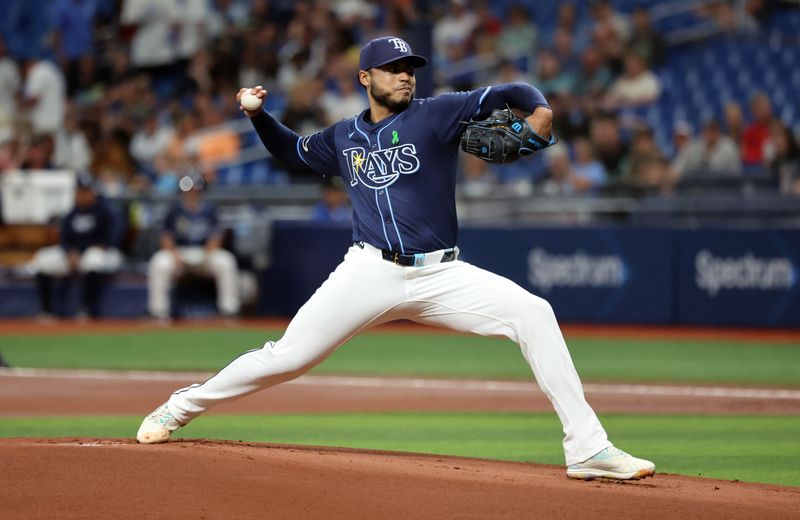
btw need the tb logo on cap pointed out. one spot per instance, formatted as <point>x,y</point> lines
<point>399,44</point>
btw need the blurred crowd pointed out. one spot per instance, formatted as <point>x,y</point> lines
<point>141,92</point>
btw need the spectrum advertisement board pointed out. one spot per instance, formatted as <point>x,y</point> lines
<point>739,277</point>
<point>592,274</point>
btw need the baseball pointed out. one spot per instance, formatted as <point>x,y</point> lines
<point>250,101</point>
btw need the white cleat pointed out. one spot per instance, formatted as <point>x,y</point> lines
<point>158,426</point>
<point>612,463</point>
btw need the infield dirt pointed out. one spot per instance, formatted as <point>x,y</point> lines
<point>105,478</point>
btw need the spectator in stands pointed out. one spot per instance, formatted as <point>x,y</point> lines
<point>38,155</point>
<point>682,133</point>
<point>112,162</point>
<point>149,141</point>
<point>611,48</point>
<point>648,169</point>
<point>593,76</point>
<point>756,133</point>
<point>508,72</point>
<point>343,100</point>
<point>604,15</point>
<point>192,20</point>
<point>217,143</point>
<point>610,149</point>
<point>451,32</point>
<point>73,35</point>
<point>567,20</point>
<point>333,206</point>
<point>87,250</point>
<point>154,24</point>
<point>72,148</point>
<point>734,121</point>
<point>518,36</point>
<point>550,78</point>
<point>305,114</point>
<point>565,177</point>
<point>477,179</point>
<point>712,154</point>
<point>10,82</point>
<point>564,50</point>
<point>44,95</point>
<point>645,40</point>
<point>176,160</point>
<point>484,38</point>
<point>191,241</point>
<point>782,157</point>
<point>637,86</point>
<point>560,179</point>
<point>588,173</point>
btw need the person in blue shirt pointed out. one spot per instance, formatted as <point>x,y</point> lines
<point>398,161</point>
<point>332,207</point>
<point>192,241</point>
<point>87,250</point>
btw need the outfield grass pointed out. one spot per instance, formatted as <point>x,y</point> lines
<point>756,449</point>
<point>435,355</point>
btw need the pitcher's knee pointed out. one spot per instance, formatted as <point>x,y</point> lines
<point>538,307</point>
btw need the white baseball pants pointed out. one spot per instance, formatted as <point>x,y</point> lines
<point>52,261</point>
<point>366,290</point>
<point>219,263</point>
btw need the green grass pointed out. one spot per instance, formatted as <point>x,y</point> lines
<point>432,355</point>
<point>751,448</point>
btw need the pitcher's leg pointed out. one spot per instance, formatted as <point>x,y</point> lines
<point>469,299</point>
<point>330,317</point>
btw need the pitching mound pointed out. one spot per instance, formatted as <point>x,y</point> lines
<point>112,478</point>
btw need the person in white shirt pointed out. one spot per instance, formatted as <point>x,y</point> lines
<point>453,29</point>
<point>44,94</point>
<point>713,153</point>
<point>72,149</point>
<point>156,40</point>
<point>149,141</point>
<point>10,83</point>
<point>637,86</point>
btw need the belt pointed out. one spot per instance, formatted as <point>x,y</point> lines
<point>413,260</point>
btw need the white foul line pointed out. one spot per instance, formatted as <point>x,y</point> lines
<point>418,383</point>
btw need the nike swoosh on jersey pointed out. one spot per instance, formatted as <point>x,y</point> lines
<point>350,135</point>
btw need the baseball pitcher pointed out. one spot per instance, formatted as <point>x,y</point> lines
<point>398,160</point>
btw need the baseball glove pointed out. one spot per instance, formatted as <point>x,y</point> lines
<point>502,138</point>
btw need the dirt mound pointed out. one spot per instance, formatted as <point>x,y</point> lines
<point>112,478</point>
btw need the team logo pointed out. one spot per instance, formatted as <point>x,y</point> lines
<point>380,168</point>
<point>399,44</point>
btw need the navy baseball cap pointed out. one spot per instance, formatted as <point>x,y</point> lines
<point>84,179</point>
<point>381,51</point>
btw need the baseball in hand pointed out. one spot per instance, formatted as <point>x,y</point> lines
<point>250,102</point>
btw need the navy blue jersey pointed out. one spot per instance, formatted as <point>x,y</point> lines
<point>83,228</point>
<point>401,171</point>
<point>191,228</point>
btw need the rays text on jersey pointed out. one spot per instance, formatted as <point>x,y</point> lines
<point>380,168</point>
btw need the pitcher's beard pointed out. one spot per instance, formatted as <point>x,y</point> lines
<point>383,99</point>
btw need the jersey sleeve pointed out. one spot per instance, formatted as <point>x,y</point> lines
<point>318,151</point>
<point>448,113</point>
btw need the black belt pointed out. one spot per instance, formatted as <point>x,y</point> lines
<point>410,260</point>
